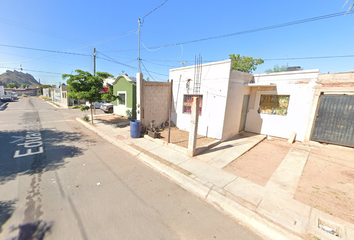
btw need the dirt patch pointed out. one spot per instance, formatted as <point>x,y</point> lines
<point>259,164</point>
<point>112,119</point>
<point>180,138</point>
<point>327,182</point>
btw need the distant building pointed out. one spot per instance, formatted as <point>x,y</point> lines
<point>26,91</point>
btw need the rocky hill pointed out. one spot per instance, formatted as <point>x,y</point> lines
<point>17,77</point>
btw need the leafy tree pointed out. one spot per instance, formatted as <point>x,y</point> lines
<point>84,85</point>
<point>12,85</point>
<point>276,68</point>
<point>24,85</point>
<point>245,64</point>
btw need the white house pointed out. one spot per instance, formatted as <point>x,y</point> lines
<point>280,103</point>
<point>275,104</point>
<point>221,91</point>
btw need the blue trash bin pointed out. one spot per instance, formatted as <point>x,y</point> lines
<point>135,128</point>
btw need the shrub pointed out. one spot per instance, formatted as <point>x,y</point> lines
<point>86,118</point>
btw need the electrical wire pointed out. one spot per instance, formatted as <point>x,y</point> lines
<point>147,71</point>
<point>153,11</point>
<point>306,20</point>
<point>36,29</point>
<point>159,63</point>
<point>124,64</point>
<point>25,69</point>
<point>45,50</point>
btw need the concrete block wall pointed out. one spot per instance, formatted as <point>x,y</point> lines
<point>156,102</point>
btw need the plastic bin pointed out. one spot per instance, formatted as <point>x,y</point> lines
<point>135,128</point>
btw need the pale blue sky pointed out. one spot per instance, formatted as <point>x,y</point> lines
<point>77,26</point>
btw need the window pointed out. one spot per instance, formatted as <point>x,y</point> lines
<point>274,104</point>
<point>122,100</point>
<point>187,103</point>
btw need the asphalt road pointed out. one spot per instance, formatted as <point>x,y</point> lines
<point>59,180</point>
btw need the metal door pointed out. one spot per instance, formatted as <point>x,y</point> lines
<point>246,99</point>
<point>335,120</point>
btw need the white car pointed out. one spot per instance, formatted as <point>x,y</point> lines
<point>96,104</point>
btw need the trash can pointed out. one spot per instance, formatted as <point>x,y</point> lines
<point>135,128</point>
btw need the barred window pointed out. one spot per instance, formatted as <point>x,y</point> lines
<point>274,104</point>
<point>187,103</point>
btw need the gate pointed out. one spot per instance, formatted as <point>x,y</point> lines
<point>335,120</point>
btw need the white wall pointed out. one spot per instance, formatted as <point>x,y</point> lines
<point>214,88</point>
<point>2,92</point>
<point>46,92</point>
<point>121,109</point>
<point>300,86</point>
<point>236,92</point>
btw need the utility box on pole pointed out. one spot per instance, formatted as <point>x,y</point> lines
<point>192,142</point>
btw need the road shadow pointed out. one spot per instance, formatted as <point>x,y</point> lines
<point>32,230</point>
<point>57,146</point>
<point>3,106</point>
<point>6,210</point>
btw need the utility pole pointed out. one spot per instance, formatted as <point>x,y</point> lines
<point>94,72</point>
<point>94,61</point>
<point>139,48</point>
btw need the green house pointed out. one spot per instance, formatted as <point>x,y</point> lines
<point>125,87</point>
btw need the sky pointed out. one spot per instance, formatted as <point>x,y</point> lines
<point>50,38</point>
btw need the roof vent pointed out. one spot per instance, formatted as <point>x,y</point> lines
<point>295,68</point>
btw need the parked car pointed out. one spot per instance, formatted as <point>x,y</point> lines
<point>6,98</point>
<point>107,107</point>
<point>95,104</point>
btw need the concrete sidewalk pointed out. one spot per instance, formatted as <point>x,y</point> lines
<point>270,211</point>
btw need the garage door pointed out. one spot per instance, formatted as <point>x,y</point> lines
<point>335,120</point>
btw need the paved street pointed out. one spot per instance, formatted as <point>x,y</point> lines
<point>61,180</point>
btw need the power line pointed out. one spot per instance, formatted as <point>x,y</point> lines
<point>25,69</point>
<point>159,63</point>
<point>147,71</point>
<point>115,61</point>
<point>36,29</point>
<point>339,14</point>
<point>46,50</point>
<point>153,10</point>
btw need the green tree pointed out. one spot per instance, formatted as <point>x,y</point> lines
<point>24,85</point>
<point>276,68</point>
<point>84,85</point>
<point>245,64</point>
<point>12,85</point>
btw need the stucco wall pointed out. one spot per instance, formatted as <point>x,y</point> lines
<point>235,95</point>
<point>301,93</point>
<point>214,88</point>
<point>156,102</point>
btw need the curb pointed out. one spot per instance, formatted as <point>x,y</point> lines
<point>211,195</point>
